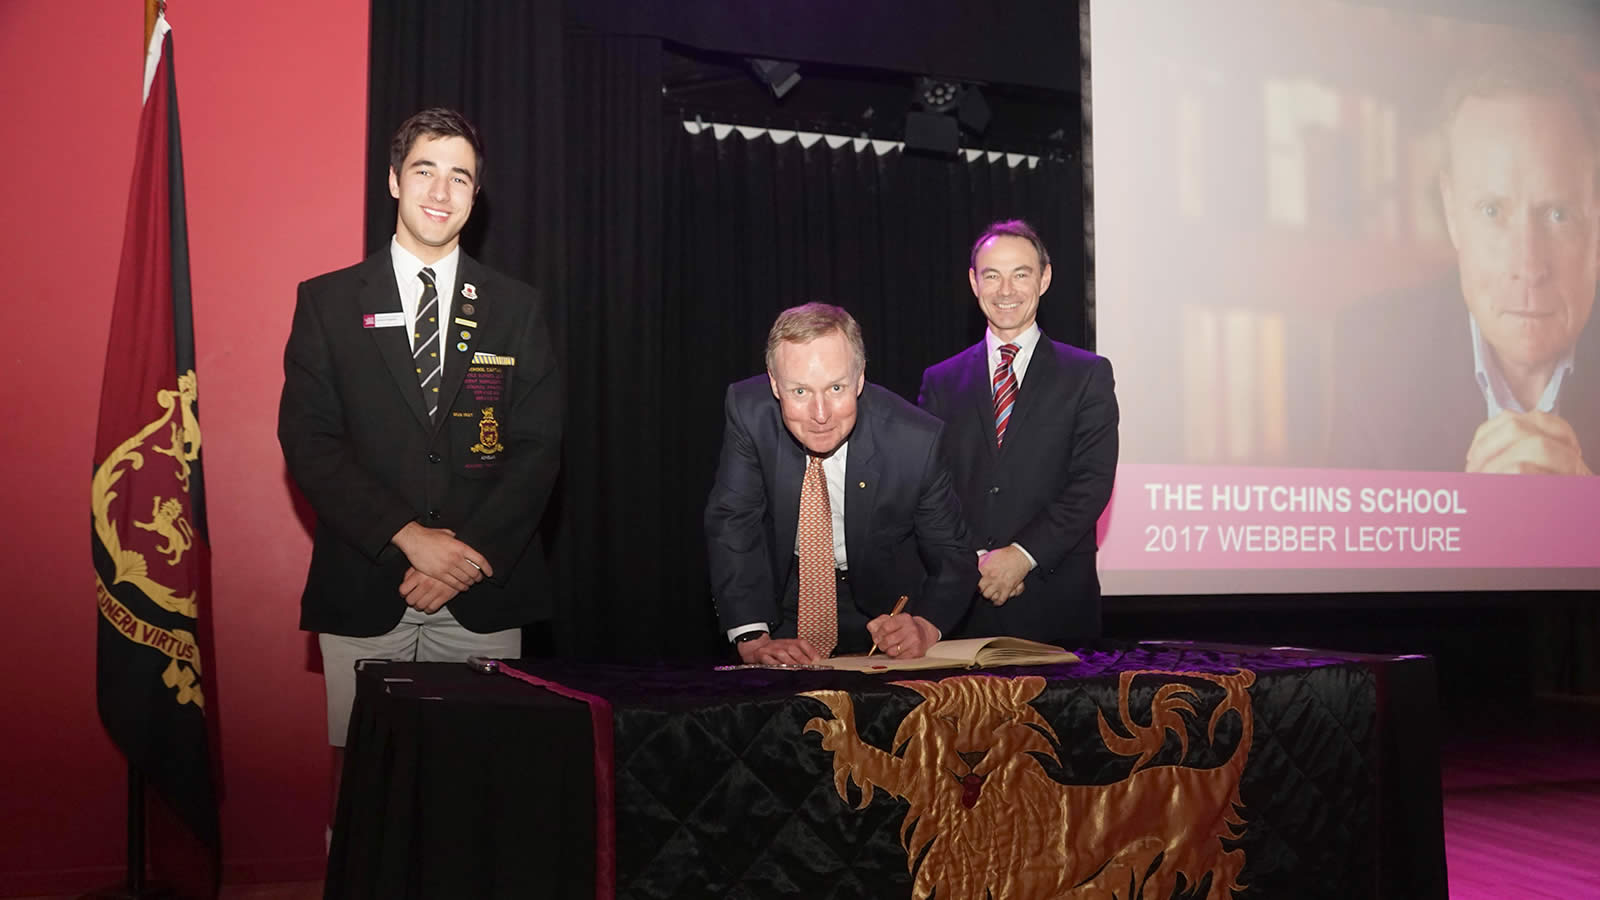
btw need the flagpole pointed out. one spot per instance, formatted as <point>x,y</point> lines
<point>135,886</point>
<point>135,873</point>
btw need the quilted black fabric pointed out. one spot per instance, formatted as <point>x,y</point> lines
<point>721,794</point>
<point>459,784</point>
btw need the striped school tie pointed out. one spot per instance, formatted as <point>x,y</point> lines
<point>425,343</point>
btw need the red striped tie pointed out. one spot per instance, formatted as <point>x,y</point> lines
<point>1005,391</point>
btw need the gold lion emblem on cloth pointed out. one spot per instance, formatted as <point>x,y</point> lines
<point>184,448</point>
<point>166,520</point>
<point>987,821</point>
<point>488,434</point>
<point>114,476</point>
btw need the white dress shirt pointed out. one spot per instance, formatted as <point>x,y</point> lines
<point>406,267</point>
<point>1026,342</point>
<point>1497,393</point>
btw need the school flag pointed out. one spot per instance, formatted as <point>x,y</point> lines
<point>151,559</point>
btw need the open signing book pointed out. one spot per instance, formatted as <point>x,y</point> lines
<point>971,653</point>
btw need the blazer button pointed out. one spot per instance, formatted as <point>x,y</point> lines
<point>995,489</point>
<point>434,457</point>
<point>433,515</point>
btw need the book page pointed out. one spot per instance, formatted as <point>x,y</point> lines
<point>960,654</point>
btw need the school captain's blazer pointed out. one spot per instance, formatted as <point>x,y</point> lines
<point>358,442</point>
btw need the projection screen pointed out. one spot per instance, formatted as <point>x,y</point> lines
<point>1345,259</point>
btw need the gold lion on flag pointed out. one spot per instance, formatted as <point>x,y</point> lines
<point>167,520</point>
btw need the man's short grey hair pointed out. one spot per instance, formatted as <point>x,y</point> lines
<point>804,324</point>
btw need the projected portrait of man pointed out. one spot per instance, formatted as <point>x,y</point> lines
<point>1519,193</point>
<point>1512,386</point>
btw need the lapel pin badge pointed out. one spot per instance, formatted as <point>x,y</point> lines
<point>469,291</point>
<point>468,309</point>
<point>465,334</point>
<point>462,346</point>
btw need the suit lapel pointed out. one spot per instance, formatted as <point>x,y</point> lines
<point>860,479</point>
<point>1043,372</point>
<point>1458,395</point>
<point>978,392</point>
<point>460,339</point>
<point>379,294</point>
<point>791,470</point>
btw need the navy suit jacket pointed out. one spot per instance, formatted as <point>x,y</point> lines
<point>903,528</point>
<point>1044,488</point>
<point>361,447</point>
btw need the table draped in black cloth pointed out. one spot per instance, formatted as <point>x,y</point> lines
<point>1156,771</point>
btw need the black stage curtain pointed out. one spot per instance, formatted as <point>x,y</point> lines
<point>666,256</point>
<point>500,63</point>
<point>609,545</point>
<point>753,227</point>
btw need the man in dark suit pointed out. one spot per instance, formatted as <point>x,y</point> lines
<point>421,417</point>
<point>1506,384</point>
<point>1031,435</point>
<point>831,501</point>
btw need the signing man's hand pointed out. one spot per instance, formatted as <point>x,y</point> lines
<point>435,552</point>
<point>1001,572</point>
<point>903,636</point>
<point>424,592</point>
<point>769,651</point>
<point>1533,442</point>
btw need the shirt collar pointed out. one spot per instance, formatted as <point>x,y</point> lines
<point>1497,394</point>
<point>1025,342</point>
<point>836,458</point>
<point>406,266</point>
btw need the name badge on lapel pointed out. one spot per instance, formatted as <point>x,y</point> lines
<point>383,320</point>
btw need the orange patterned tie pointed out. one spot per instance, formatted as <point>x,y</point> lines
<point>819,609</point>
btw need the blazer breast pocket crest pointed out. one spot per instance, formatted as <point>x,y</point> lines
<point>488,434</point>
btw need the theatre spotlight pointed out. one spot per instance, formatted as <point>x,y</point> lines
<point>778,75</point>
<point>936,95</point>
<point>940,97</point>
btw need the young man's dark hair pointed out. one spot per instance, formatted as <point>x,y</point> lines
<point>435,122</point>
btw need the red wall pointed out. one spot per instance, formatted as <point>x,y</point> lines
<point>273,105</point>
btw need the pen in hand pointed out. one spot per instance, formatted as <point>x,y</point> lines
<point>899,606</point>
